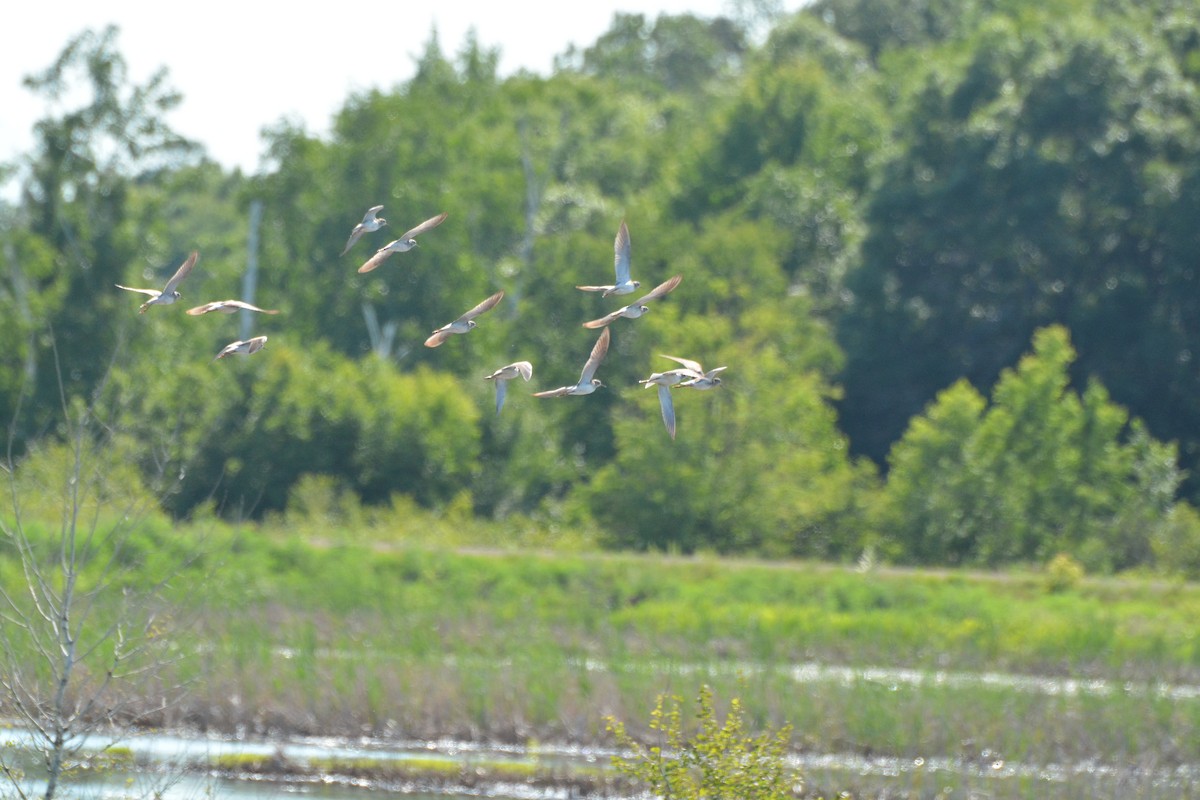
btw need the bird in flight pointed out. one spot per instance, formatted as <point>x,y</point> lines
<point>369,223</point>
<point>248,347</point>
<point>692,371</point>
<point>169,293</point>
<point>402,245</point>
<point>689,374</point>
<point>227,307</point>
<point>588,383</point>
<point>635,310</point>
<point>621,264</point>
<point>505,374</point>
<point>463,323</point>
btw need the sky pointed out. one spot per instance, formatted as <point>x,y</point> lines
<point>242,66</point>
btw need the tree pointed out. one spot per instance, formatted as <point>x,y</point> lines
<point>1039,471</point>
<point>82,639</point>
<point>1044,163</point>
<point>74,206</point>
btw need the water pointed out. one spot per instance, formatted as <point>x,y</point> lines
<point>160,760</point>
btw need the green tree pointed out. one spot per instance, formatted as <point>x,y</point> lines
<point>1041,470</point>
<point>1043,163</point>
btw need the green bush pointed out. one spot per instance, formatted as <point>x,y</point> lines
<point>712,761</point>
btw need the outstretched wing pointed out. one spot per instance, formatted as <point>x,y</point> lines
<point>621,254</point>
<point>501,391</point>
<point>151,292</point>
<point>599,350</point>
<point>227,307</point>
<point>664,288</point>
<point>668,408</point>
<point>686,363</point>
<point>439,337</point>
<point>181,273</point>
<point>486,305</point>
<point>606,320</point>
<point>374,261</point>
<point>428,224</point>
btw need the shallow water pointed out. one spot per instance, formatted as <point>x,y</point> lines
<point>160,758</point>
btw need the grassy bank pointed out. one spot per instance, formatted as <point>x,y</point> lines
<point>277,634</point>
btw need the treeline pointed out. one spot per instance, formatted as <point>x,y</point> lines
<point>948,252</point>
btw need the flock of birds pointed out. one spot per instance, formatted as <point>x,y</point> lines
<point>689,374</point>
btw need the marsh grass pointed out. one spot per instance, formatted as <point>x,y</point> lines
<point>384,639</point>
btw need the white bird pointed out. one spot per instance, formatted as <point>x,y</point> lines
<point>248,347</point>
<point>402,245</point>
<point>693,371</point>
<point>227,307</point>
<point>621,264</point>
<point>635,310</point>
<point>505,374</point>
<point>704,381</point>
<point>463,323</point>
<point>169,294</point>
<point>369,223</point>
<point>690,374</point>
<point>587,382</point>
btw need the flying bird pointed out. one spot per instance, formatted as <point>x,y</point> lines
<point>463,323</point>
<point>248,347</point>
<point>692,370</point>
<point>690,374</point>
<point>169,294</point>
<point>505,374</point>
<point>369,223</point>
<point>402,245</point>
<point>621,264</point>
<point>587,382</point>
<point>635,310</point>
<point>227,307</point>
<point>707,381</point>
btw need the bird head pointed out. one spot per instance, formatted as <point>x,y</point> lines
<point>637,284</point>
<point>471,323</point>
<point>596,382</point>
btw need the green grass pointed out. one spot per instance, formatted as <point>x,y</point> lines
<point>404,641</point>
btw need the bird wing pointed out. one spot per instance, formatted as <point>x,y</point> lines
<point>355,235</point>
<point>607,319</point>
<point>486,305</point>
<point>374,261</point>
<point>371,213</point>
<point>525,368</point>
<point>221,305</point>
<point>621,253</point>
<point>229,349</point>
<point>151,292</point>
<point>594,288</point>
<point>713,371</point>
<point>428,224</point>
<point>598,352</point>
<point>664,288</point>
<point>439,337</point>
<point>181,273</point>
<point>686,363</point>
<point>561,391</point>
<point>668,408</point>
<point>501,391</point>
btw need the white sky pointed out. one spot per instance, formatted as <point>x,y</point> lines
<point>243,65</point>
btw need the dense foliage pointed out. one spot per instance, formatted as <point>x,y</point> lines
<point>884,215</point>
